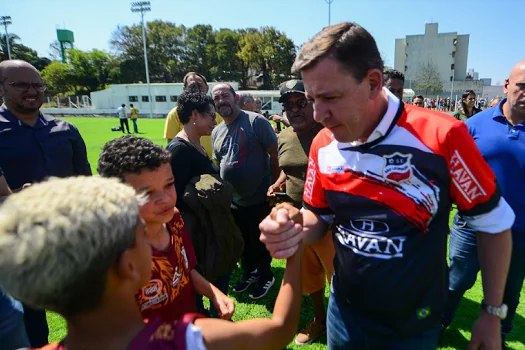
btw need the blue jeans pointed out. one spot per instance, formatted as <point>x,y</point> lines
<point>135,128</point>
<point>222,283</point>
<point>464,267</point>
<point>344,331</point>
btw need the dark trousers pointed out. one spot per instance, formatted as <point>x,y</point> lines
<point>124,122</point>
<point>255,255</point>
<point>36,326</point>
<point>463,271</point>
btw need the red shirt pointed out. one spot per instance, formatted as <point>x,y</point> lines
<point>169,294</point>
<point>156,336</point>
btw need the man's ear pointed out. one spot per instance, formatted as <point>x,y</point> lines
<point>375,81</point>
<point>506,85</point>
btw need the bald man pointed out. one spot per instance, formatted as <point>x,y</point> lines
<point>34,146</point>
<point>499,133</point>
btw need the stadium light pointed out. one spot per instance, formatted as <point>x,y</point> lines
<point>329,2</point>
<point>142,7</point>
<point>5,21</point>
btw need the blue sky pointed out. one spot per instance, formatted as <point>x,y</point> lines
<point>496,40</point>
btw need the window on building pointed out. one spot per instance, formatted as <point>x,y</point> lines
<point>455,41</point>
<point>133,99</point>
<point>406,68</point>
<point>145,98</point>
<point>451,78</point>
<point>452,66</point>
<point>160,98</point>
<point>174,98</point>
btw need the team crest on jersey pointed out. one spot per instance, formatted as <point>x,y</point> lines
<point>397,167</point>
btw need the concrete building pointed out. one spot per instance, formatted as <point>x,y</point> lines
<point>448,51</point>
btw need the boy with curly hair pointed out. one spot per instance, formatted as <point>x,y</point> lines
<point>170,292</point>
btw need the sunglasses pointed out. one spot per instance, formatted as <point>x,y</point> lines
<point>302,103</point>
<point>22,87</point>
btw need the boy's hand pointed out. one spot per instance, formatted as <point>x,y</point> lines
<point>282,231</point>
<point>225,306</point>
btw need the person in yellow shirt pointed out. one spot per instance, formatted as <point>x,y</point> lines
<point>193,82</point>
<point>134,116</point>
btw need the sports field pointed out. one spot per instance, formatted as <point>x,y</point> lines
<point>97,131</point>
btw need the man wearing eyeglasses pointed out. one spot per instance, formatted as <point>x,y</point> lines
<point>34,146</point>
<point>293,147</point>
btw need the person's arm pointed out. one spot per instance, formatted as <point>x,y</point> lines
<point>224,305</point>
<point>274,161</point>
<point>264,334</point>
<point>81,164</point>
<point>277,186</point>
<point>172,126</point>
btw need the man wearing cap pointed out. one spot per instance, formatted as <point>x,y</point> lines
<point>294,147</point>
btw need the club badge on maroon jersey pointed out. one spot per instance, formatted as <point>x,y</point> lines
<point>397,167</point>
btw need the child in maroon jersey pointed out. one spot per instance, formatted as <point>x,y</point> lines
<point>170,292</point>
<point>78,247</point>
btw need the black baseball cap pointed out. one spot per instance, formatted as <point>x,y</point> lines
<point>290,86</point>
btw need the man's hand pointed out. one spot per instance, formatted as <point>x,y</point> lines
<point>282,231</point>
<point>225,306</point>
<point>271,193</point>
<point>486,333</point>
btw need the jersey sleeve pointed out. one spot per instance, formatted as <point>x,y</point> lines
<point>313,196</point>
<point>473,185</point>
<point>188,246</point>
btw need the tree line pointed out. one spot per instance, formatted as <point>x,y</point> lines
<point>173,50</point>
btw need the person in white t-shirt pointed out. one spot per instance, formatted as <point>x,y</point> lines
<point>123,117</point>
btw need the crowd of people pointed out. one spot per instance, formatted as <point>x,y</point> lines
<point>353,188</point>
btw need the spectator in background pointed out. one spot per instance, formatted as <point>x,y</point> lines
<point>294,148</point>
<point>134,116</point>
<point>34,146</point>
<point>258,105</point>
<point>245,147</point>
<point>495,101</point>
<point>122,114</point>
<point>496,132</point>
<point>196,111</point>
<point>418,101</point>
<point>468,106</point>
<point>247,103</point>
<point>394,80</point>
<point>193,82</point>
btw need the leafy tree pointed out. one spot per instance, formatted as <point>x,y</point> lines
<point>199,50</point>
<point>227,64</point>
<point>428,79</point>
<point>59,78</point>
<point>21,52</point>
<point>165,45</point>
<point>269,52</point>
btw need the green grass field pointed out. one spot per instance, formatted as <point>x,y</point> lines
<point>97,131</point>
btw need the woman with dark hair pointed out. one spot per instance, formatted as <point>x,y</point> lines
<point>468,106</point>
<point>189,159</point>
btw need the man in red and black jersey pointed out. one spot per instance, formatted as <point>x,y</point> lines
<point>384,175</point>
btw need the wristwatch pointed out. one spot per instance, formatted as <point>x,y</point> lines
<point>498,311</point>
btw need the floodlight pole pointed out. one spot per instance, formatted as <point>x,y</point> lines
<point>144,6</point>
<point>329,2</point>
<point>5,21</point>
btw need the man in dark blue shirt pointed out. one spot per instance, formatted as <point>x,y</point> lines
<point>499,133</point>
<point>34,146</point>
